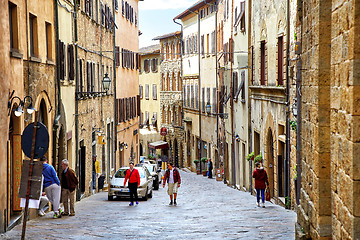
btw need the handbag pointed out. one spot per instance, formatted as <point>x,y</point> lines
<point>267,194</point>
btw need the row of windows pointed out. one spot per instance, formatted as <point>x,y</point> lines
<point>146,121</point>
<point>171,115</point>
<point>263,63</point>
<point>128,108</point>
<point>34,31</point>
<point>171,82</point>
<point>147,97</point>
<point>208,10</point>
<point>151,64</point>
<point>128,12</point>
<point>70,66</point>
<point>90,77</point>
<point>170,51</point>
<point>99,12</point>
<point>129,59</point>
<point>191,97</point>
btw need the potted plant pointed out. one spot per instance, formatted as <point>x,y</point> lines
<point>196,161</point>
<point>204,165</point>
<point>258,158</point>
<point>250,156</point>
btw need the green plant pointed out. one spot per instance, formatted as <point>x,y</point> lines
<point>250,156</point>
<point>293,125</point>
<point>258,158</point>
<point>295,176</point>
<point>150,156</point>
<point>204,159</point>
<point>196,161</point>
<point>159,155</point>
<point>288,202</point>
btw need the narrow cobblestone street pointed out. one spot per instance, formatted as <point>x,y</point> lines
<point>206,210</point>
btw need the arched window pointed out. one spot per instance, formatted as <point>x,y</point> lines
<point>174,119</point>
<point>167,51</point>
<point>178,50</point>
<point>173,82</point>
<point>162,82</point>
<point>163,115</point>
<point>168,82</point>
<point>172,51</point>
<point>179,82</point>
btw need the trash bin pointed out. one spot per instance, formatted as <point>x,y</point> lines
<point>101,181</point>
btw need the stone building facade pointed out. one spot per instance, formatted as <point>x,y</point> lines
<point>171,102</point>
<point>268,87</point>
<point>127,98</point>
<point>149,89</point>
<point>94,107</point>
<point>329,204</point>
<point>27,77</point>
<point>199,82</point>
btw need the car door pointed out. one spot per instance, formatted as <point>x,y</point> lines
<point>149,179</point>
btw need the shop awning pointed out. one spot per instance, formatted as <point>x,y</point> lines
<point>159,145</point>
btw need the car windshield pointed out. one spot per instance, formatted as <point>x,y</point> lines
<point>122,172</point>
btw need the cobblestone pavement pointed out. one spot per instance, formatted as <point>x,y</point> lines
<point>206,210</point>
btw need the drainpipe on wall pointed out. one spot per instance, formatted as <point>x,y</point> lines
<point>249,93</point>
<point>115,104</point>
<point>77,164</point>
<point>232,98</point>
<point>288,146</point>
<point>57,81</point>
<point>199,91</point>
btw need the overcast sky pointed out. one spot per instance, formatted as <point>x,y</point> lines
<point>156,18</point>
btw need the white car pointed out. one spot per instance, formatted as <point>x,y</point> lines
<point>156,173</point>
<point>117,188</point>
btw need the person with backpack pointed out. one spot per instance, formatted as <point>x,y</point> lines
<point>172,177</point>
<point>132,174</point>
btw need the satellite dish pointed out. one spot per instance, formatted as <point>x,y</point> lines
<point>41,142</point>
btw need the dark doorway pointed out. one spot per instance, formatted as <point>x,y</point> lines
<point>270,161</point>
<point>176,153</point>
<point>82,158</point>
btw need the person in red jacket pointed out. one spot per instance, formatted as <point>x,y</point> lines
<point>172,177</point>
<point>133,176</point>
<point>261,182</point>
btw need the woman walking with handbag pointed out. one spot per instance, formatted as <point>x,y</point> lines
<point>261,182</point>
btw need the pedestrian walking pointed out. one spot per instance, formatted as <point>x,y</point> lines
<point>95,171</point>
<point>210,168</point>
<point>69,182</point>
<point>132,174</point>
<point>52,187</point>
<point>172,177</point>
<point>261,182</point>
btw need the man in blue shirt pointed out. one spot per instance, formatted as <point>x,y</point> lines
<point>51,186</point>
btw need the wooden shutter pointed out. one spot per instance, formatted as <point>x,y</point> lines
<point>117,56</point>
<point>138,105</point>
<point>61,57</point>
<point>72,64</point>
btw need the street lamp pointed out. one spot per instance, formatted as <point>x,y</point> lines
<point>294,107</point>
<point>106,82</point>
<point>19,110</point>
<point>208,108</point>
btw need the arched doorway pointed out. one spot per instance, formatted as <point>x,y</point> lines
<point>270,161</point>
<point>14,156</point>
<point>176,153</point>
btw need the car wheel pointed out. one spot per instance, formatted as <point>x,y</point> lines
<point>110,198</point>
<point>146,195</point>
